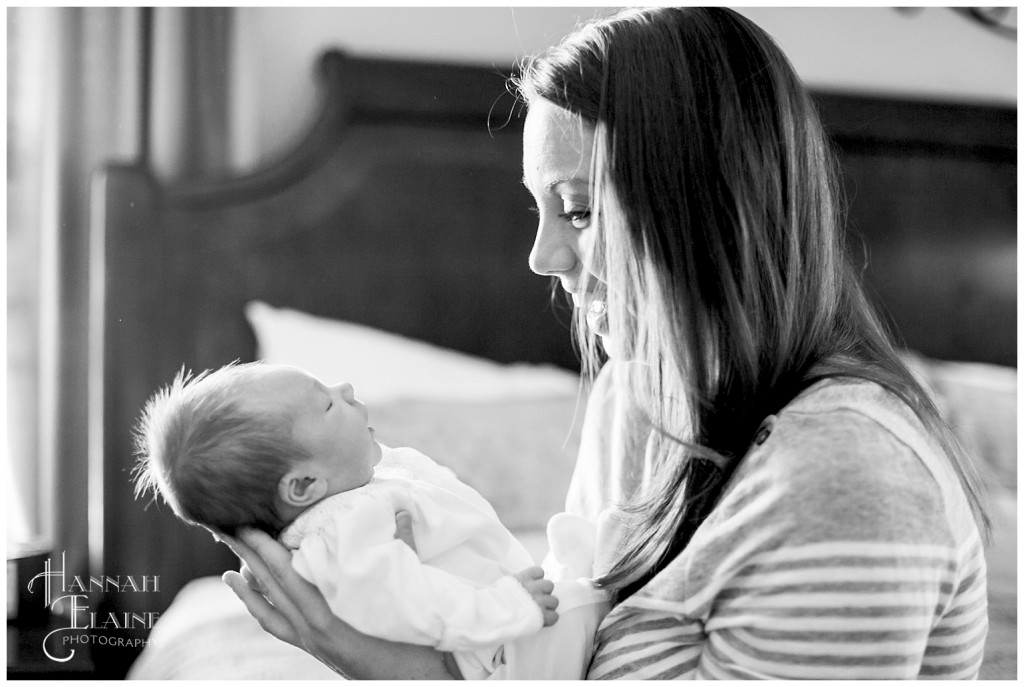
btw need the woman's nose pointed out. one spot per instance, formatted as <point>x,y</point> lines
<point>554,251</point>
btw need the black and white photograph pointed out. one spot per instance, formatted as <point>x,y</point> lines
<point>511,343</point>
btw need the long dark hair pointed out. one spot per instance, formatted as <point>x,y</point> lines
<point>729,288</point>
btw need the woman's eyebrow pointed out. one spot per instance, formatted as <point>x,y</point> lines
<point>555,183</point>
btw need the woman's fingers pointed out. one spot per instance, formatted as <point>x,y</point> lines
<point>266,615</point>
<point>249,578</point>
<point>254,570</point>
<point>293,610</point>
<point>298,600</point>
<point>262,556</point>
<point>277,558</point>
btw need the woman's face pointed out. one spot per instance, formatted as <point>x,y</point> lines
<point>557,152</point>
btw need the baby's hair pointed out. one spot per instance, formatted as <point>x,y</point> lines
<point>215,460</point>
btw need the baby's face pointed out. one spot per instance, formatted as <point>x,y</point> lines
<point>327,421</point>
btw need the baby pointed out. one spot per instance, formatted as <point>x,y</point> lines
<point>271,447</point>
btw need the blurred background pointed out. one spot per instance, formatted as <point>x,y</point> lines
<point>205,93</point>
<point>917,52</point>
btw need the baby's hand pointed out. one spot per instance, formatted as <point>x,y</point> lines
<point>540,589</point>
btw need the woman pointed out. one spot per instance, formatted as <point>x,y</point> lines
<point>777,496</point>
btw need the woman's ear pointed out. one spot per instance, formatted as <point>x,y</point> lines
<point>301,487</point>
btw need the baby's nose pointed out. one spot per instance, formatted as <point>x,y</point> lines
<point>347,392</point>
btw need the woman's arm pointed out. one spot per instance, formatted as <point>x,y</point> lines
<point>295,611</point>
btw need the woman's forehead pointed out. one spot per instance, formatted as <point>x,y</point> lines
<point>557,146</point>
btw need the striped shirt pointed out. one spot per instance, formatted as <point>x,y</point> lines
<point>842,548</point>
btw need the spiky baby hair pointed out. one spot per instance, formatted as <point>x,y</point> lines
<point>214,459</point>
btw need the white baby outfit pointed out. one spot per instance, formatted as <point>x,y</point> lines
<point>454,592</point>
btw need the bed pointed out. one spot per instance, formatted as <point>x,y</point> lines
<point>390,246</point>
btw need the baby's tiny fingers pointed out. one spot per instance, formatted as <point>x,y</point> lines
<point>546,586</point>
<point>534,573</point>
<point>550,617</point>
<point>530,577</point>
<point>403,528</point>
<point>548,601</point>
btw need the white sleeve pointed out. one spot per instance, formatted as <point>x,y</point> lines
<point>377,584</point>
<point>561,651</point>
<point>571,543</point>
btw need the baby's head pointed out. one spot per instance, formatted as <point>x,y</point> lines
<point>252,445</point>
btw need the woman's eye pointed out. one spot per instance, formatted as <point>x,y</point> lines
<point>330,404</point>
<point>578,218</point>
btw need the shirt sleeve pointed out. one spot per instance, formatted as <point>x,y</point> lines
<point>378,585</point>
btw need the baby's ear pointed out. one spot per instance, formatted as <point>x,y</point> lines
<point>301,488</point>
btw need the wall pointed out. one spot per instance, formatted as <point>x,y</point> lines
<point>924,52</point>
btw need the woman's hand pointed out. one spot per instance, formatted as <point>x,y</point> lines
<point>294,611</point>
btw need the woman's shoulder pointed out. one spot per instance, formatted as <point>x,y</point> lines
<point>838,421</point>
<point>836,473</point>
<point>862,396</point>
<point>854,457</point>
<point>853,428</point>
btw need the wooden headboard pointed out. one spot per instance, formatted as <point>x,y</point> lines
<point>932,194</point>
<point>402,209</point>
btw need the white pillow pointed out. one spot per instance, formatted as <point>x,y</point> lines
<point>979,401</point>
<point>383,366</point>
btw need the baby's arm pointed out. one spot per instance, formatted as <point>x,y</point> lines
<point>378,584</point>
